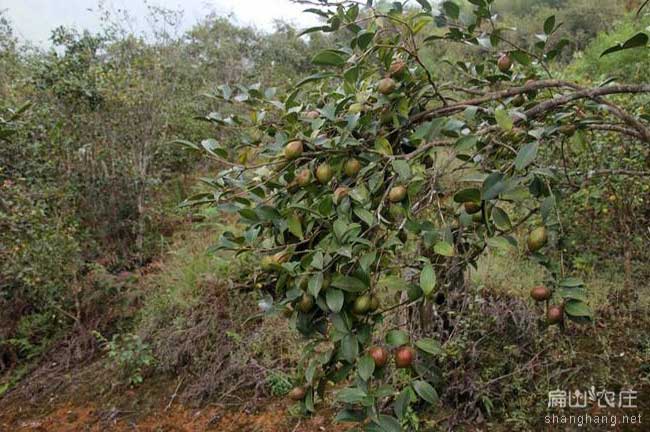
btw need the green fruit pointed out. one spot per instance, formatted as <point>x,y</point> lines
<point>519,100</point>
<point>352,167</point>
<point>397,194</point>
<point>395,212</point>
<point>304,177</point>
<point>324,173</point>
<point>269,263</point>
<point>355,108</point>
<point>504,63</point>
<point>555,314</point>
<point>306,303</point>
<point>568,130</point>
<point>531,93</point>
<point>537,239</point>
<point>362,304</point>
<point>293,150</point>
<point>374,303</point>
<point>386,86</point>
<point>472,207</point>
<point>327,280</point>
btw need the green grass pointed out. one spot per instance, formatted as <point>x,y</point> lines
<point>514,274</point>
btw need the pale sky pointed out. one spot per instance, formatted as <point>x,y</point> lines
<point>34,19</point>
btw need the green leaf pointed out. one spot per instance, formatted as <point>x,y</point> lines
<point>312,30</point>
<point>549,25</point>
<point>452,10</point>
<point>501,219</point>
<point>571,282</point>
<point>383,146</point>
<point>389,424</point>
<point>328,58</point>
<point>309,401</point>
<point>526,155</point>
<point>427,280</point>
<point>638,40</point>
<point>315,77</point>
<point>364,38</point>
<point>310,372</point>
<point>500,243</point>
<point>334,299</point>
<point>348,283</point>
<point>503,119</point>
<point>425,5</point>
<point>366,367</point>
<point>493,186</point>
<point>402,402</point>
<point>521,57</point>
<point>466,143</point>
<point>295,226</point>
<point>351,395</point>
<point>397,338</point>
<point>468,195</point>
<point>425,391</point>
<point>315,284</point>
<point>573,293</point>
<point>349,348</point>
<point>577,308</point>
<point>430,346</point>
<point>364,215</point>
<point>402,169</point>
<point>443,248</point>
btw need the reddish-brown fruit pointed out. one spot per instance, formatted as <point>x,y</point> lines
<point>504,63</point>
<point>287,311</point>
<point>386,86</point>
<point>293,150</point>
<point>340,193</point>
<point>379,355</point>
<point>306,303</point>
<point>312,115</point>
<point>303,178</point>
<point>555,314</point>
<point>404,357</point>
<point>541,293</point>
<point>397,69</point>
<point>472,207</point>
<point>297,393</point>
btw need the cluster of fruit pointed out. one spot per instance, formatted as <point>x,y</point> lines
<point>404,357</point>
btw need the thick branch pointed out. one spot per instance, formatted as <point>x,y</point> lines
<point>489,97</point>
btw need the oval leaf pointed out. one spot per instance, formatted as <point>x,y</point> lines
<point>427,280</point>
<point>425,391</point>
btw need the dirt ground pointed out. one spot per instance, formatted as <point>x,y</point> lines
<point>71,418</point>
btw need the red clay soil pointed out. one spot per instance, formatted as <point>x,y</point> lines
<point>273,417</point>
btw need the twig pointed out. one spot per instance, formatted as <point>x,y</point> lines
<point>174,395</point>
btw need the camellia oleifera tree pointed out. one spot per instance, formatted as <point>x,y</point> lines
<point>376,167</point>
